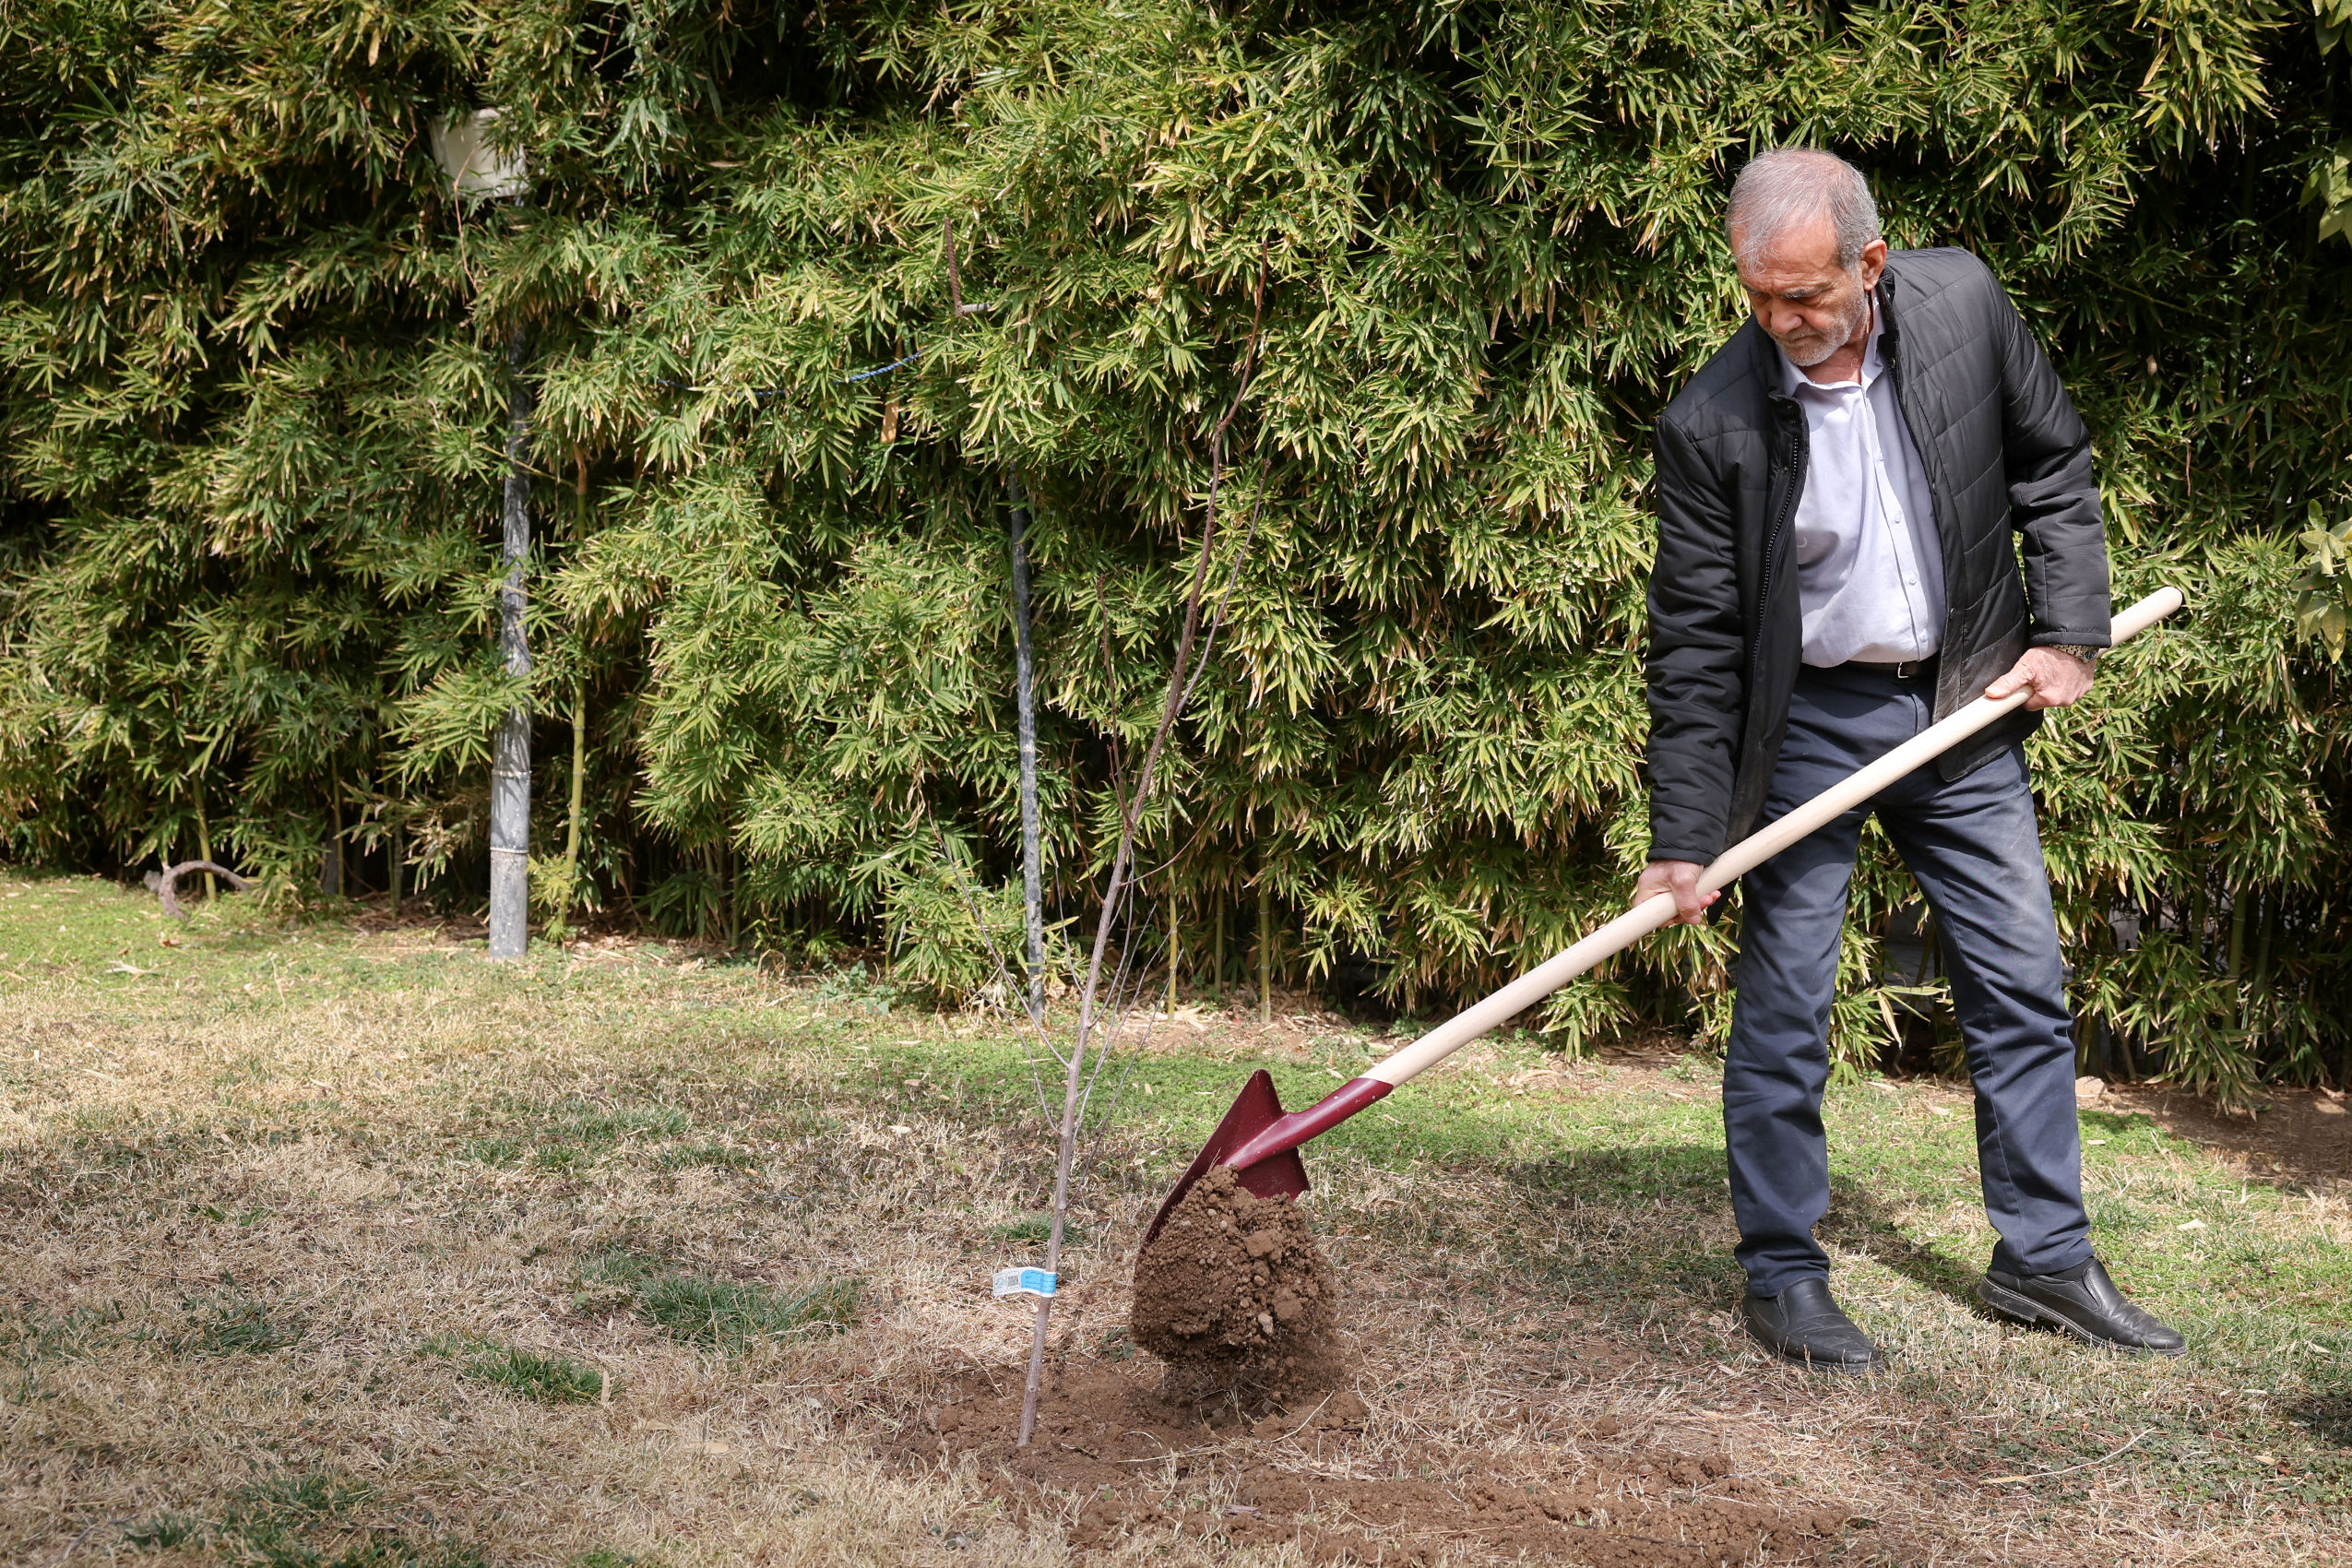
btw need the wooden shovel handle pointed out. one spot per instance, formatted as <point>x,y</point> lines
<point>1741,858</point>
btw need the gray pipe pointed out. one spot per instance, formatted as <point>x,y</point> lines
<point>510,766</point>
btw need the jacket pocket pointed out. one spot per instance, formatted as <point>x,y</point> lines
<point>1982,639</point>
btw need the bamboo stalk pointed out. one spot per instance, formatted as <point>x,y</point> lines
<point>1266,943</point>
<point>330,876</point>
<point>2265,913</point>
<point>1216,982</point>
<point>579,788</point>
<point>2262,927</point>
<point>580,718</point>
<point>204,842</point>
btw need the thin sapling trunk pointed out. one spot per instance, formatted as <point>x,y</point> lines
<point>1025,697</point>
<point>1074,1079</point>
<point>1180,689</point>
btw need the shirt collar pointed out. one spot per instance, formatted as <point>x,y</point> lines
<point>1793,380</point>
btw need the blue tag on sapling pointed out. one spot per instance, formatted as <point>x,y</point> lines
<point>1023,1282</point>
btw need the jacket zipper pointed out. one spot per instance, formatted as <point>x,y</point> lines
<point>1891,347</point>
<point>1772,543</point>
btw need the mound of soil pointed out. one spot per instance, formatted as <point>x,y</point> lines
<point>1234,1296</point>
<point>1312,1475</point>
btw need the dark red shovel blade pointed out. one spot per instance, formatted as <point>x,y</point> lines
<point>1253,1110</point>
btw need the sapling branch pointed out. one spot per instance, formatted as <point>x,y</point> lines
<point>1077,1085</point>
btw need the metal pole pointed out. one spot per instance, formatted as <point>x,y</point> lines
<point>510,768</point>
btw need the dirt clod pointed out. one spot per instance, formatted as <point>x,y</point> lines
<point>1234,1296</point>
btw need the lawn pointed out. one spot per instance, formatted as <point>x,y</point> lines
<point>336,1245</point>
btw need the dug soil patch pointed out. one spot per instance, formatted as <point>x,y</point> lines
<point>1346,1487</point>
<point>1235,1298</point>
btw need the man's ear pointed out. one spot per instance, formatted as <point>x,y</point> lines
<point>1872,262</point>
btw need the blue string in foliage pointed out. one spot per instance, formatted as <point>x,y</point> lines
<point>783,391</point>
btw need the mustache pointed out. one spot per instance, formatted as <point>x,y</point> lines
<point>1808,346</point>
<point>1806,349</point>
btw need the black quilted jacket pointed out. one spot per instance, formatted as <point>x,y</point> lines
<point>2009,465</point>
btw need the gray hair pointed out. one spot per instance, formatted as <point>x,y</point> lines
<point>1789,185</point>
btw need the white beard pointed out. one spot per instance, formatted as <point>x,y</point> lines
<point>1807,349</point>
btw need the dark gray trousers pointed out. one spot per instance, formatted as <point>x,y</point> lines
<point>1974,847</point>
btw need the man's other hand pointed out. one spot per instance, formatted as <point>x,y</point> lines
<point>1680,878</point>
<point>2059,680</point>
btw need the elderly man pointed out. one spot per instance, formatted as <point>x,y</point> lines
<point>1844,493</point>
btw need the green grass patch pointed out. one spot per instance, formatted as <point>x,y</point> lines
<point>616,1271</point>
<point>732,1316</point>
<point>297,1519</point>
<point>571,1138</point>
<point>229,1323</point>
<point>302,1493</point>
<point>611,1126</point>
<point>724,1314</point>
<point>549,1379</point>
<point>714,1157</point>
<point>32,1341</point>
<point>166,1532</point>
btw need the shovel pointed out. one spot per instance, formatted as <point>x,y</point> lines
<point>1260,1140</point>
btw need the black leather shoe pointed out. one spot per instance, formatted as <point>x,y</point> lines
<point>2085,1305</point>
<point>1803,1323</point>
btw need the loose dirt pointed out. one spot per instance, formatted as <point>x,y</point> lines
<point>1234,1298</point>
<point>1243,1434</point>
<point>1345,1485</point>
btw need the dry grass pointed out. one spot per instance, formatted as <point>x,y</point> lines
<point>314,1244</point>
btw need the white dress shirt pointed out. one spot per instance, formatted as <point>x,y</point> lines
<point>1870,569</point>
